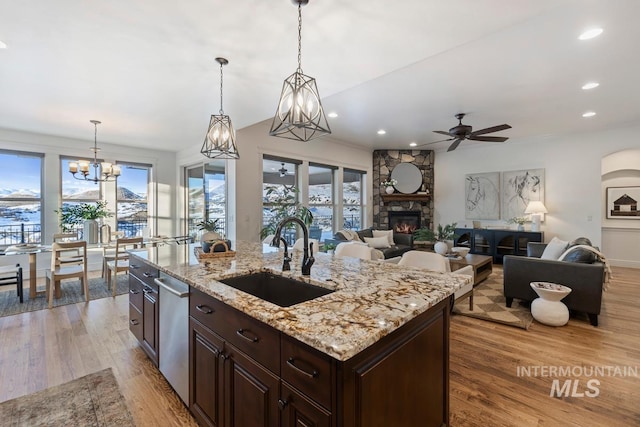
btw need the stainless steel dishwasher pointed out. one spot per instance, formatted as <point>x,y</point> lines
<point>173,327</point>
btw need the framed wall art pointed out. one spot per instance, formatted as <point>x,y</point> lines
<point>482,196</point>
<point>518,189</point>
<point>622,202</point>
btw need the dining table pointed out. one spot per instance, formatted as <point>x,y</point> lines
<point>32,250</point>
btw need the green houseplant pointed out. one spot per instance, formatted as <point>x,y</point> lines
<point>442,236</point>
<point>72,215</point>
<point>283,201</point>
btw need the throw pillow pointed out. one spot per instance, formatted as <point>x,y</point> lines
<point>554,249</point>
<point>387,233</point>
<point>580,255</point>
<point>364,233</point>
<point>377,242</point>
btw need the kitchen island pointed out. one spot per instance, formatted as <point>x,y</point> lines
<point>373,352</point>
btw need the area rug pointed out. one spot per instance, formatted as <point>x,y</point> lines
<point>489,304</point>
<point>93,400</point>
<point>10,304</point>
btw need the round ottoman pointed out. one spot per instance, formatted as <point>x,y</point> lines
<point>548,309</point>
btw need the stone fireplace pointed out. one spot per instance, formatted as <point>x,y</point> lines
<point>404,221</point>
<point>383,163</point>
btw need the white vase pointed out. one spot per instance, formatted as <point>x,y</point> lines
<point>389,190</point>
<point>441,247</point>
<point>90,231</point>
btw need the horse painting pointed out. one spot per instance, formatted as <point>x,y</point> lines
<point>482,196</point>
<point>520,188</point>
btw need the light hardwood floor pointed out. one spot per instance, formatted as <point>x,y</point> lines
<point>44,348</point>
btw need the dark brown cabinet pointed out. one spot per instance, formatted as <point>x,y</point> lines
<point>143,308</point>
<point>496,243</point>
<point>400,380</point>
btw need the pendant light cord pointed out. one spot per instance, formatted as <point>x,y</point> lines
<point>221,111</point>
<point>300,37</point>
<point>95,145</point>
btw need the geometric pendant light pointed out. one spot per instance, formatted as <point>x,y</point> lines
<point>220,141</point>
<point>299,115</point>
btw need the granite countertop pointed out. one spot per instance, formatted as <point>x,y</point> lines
<point>371,298</point>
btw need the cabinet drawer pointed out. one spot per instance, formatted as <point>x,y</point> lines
<point>135,322</point>
<point>144,272</point>
<point>135,292</point>
<point>256,339</point>
<point>307,369</point>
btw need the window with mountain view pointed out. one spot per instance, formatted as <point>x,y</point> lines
<point>206,195</point>
<point>352,199</point>
<point>20,197</point>
<point>321,201</point>
<point>132,198</point>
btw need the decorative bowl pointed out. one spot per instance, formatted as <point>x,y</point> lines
<point>460,250</point>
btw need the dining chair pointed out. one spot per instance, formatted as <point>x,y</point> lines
<point>354,250</point>
<point>61,271</point>
<point>71,256</point>
<point>109,250</point>
<point>12,275</point>
<point>435,262</point>
<point>120,262</point>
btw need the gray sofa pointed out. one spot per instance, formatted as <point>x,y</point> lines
<point>585,279</point>
<point>403,242</point>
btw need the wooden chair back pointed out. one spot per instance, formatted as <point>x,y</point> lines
<point>59,251</point>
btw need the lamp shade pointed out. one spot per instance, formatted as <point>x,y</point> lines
<point>535,207</point>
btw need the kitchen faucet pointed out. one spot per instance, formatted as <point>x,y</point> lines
<point>307,259</point>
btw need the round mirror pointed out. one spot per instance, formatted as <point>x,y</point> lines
<point>408,176</point>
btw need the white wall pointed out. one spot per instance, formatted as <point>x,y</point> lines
<point>162,199</point>
<point>244,176</point>
<point>573,189</point>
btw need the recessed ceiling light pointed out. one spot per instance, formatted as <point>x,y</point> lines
<point>412,144</point>
<point>590,85</point>
<point>333,114</point>
<point>3,45</point>
<point>589,34</point>
<point>382,132</point>
<point>589,114</point>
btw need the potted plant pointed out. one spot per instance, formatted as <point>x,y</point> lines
<point>443,236</point>
<point>212,234</point>
<point>389,185</point>
<point>87,214</point>
<point>520,220</point>
<point>329,247</point>
<point>284,203</point>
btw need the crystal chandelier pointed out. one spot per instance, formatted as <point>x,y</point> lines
<point>109,171</point>
<point>220,141</point>
<point>299,115</point>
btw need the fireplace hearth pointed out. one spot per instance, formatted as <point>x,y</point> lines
<point>404,221</point>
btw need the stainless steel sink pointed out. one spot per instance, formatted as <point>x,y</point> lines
<point>278,290</point>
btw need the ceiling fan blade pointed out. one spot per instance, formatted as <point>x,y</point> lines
<point>441,132</point>
<point>490,130</point>
<point>455,144</point>
<point>434,142</point>
<point>488,138</point>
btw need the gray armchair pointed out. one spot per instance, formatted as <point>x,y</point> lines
<point>585,280</point>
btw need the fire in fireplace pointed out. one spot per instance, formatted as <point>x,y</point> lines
<point>404,221</point>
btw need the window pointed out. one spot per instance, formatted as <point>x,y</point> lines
<point>352,199</point>
<point>20,197</point>
<point>206,195</point>
<point>279,193</point>
<point>76,191</point>
<point>321,201</point>
<point>132,198</point>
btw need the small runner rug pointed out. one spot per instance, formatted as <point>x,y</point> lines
<point>10,303</point>
<point>489,304</point>
<point>93,400</point>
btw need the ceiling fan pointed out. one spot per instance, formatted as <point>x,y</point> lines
<point>283,171</point>
<point>461,132</point>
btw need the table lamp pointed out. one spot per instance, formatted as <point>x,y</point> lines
<point>535,208</point>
